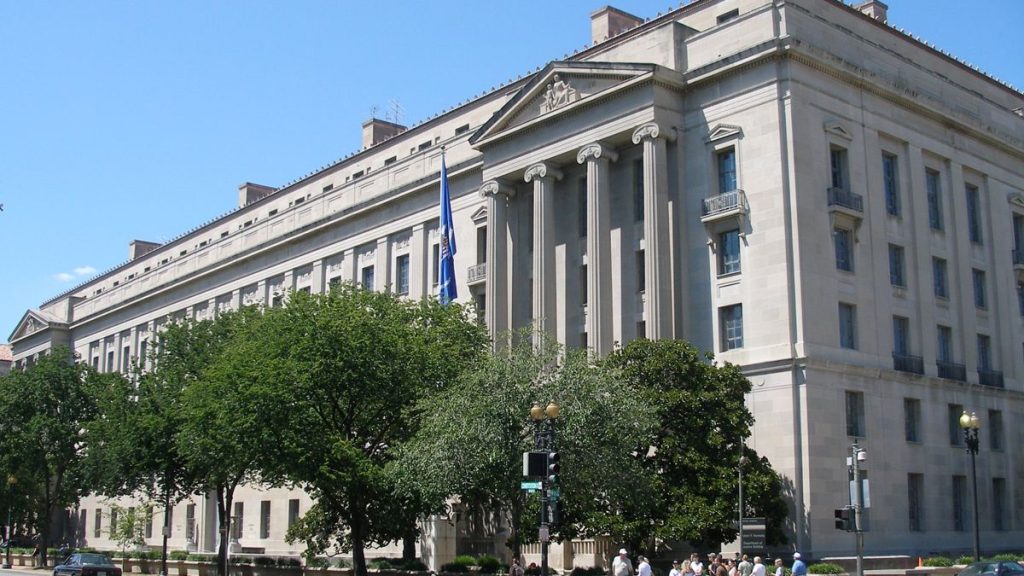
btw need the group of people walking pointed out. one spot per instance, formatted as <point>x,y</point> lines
<point>716,566</point>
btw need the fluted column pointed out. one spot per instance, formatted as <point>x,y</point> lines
<point>543,176</point>
<point>657,259</point>
<point>599,286</point>
<point>496,291</point>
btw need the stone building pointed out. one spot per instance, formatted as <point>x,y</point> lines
<point>796,185</point>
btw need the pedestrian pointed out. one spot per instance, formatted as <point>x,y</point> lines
<point>799,568</point>
<point>687,570</point>
<point>644,567</point>
<point>718,567</point>
<point>779,570</point>
<point>516,569</point>
<point>730,567</point>
<point>621,566</point>
<point>758,568</point>
<point>745,566</point>
<point>675,569</point>
<point>696,565</point>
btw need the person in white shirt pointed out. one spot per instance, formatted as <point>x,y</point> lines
<point>621,566</point>
<point>779,570</point>
<point>644,568</point>
<point>675,569</point>
<point>758,569</point>
<point>696,565</point>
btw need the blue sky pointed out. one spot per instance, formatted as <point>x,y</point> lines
<point>123,120</point>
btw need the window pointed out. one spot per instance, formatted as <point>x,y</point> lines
<point>641,329</point>
<point>984,353</point>
<point>953,413</point>
<point>855,414</point>
<point>1020,298</point>
<point>890,179</point>
<point>367,278</point>
<point>581,205</point>
<point>931,183</point>
<point>110,361</point>
<point>265,519</point>
<point>237,521</point>
<point>641,271</point>
<point>944,338</point>
<point>838,163</point>
<point>147,532</point>
<point>113,520</point>
<point>480,300</point>
<point>731,319</point>
<point>190,522</point>
<point>730,15</point>
<point>980,296</point>
<point>97,523</point>
<point>638,190</point>
<point>333,282</point>
<point>462,129</point>
<point>390,160</point>
<point>844,249</point>
<point>940,278</point>
<point>999,504</point>
<point>583,285</point>
<point>994,427</point>
<point>912,419</point>
<point>915,497</point>
<point>897,266</point>
<point>959,499</point>
<point>402,274</point>
<point>481,244</point>
<point>125,359</point>
<point>435,264</point>
<point>974,214</point>
<point>847,326</point>
<point>900,336</point>
<point>726,161</point>
<point>293,511</point>
<point>729,252</point>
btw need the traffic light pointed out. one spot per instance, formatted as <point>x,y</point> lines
<point>553,467</point>
<point>535,464</point>
<point>844,519</point>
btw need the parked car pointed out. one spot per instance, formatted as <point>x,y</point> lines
<point>87,564</point>
<point>993,569</point>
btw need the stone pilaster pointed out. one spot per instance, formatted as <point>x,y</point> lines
<point>597,157</point>
<point>658,306</point>
<point>497,193</point>
<point>543,176</point>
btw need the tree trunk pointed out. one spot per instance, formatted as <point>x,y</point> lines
<point>516,526</point>
<point>409,543</point>
<point>358,537</point>
<point>224,499</point>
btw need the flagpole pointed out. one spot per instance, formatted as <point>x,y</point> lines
<point>447,289</point>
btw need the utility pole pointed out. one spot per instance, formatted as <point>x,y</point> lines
<point>856,457</point>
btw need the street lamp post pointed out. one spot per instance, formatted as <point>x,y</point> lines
<point>739,467</point>
<point>544,441</point>
<point>970,424</point>
<point>11,481</point>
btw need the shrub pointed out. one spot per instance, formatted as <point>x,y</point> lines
<point>379,563</point>
<point>454,568</point>
<point>240,560</point>
<point>1003,558</point>
<point>488,564</point>
<point>414,565</point>
<point>178,555</point>
<point>465,560</point>
<point>264,561</point>
<point>937,562</point>
<point>201,558</point>
<point>317,562</point>
<point>963,560</point>
<point>825,568</point>
<point>288,561</point>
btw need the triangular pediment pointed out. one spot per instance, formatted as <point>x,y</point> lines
<point>559,88</point>
<point>1016,199</point>
<point>480,216</point>
<point>33,321</point>
<point>837,129</point>
<point>723,132</point>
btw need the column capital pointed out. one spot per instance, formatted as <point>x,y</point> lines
<point>496,187</point>
<point>596,151</point>
<point>542,170</point>
<point>653,130</point>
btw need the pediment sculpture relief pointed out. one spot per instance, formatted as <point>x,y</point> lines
<point>559,93</point>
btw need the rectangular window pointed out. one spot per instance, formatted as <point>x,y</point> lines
<point>726,160</point>
<point>402,274</point>
<point>855,414</point>
<point>334,282</point>
<point>984,353</point>
<point>974,214</point>
<point>838,164</point>
<point>110,361</point>
<point>435,264</point>
<point>583,285</point>
<point>125,359</point>
<point>994,427</point>
<point>367,278</point>
<point>113,520</point>
<point>638,190</point>
<point>844,249</point>
<point>293,511</point>
<point>731,319</point>
<point>890,179</point>
<point>481,244</point>
<point>581,205</point>
<point>897,266</point>
<point>932,186</point>
<point>980,293</point>
<point>97,523</point>
<point>237,521</point>
<point>999,504</point>
<point>265,519</point>
<point>900,336</point>
<point>729,252</point>
<point>940,278</point>
<point>1020,298</point>
<point>915,507</point>
<point>953,413</point>
<point>148,530</point>
<point>641,271</point>
<point>944,339</point>
<point>847,326</point>
<point>959,501</point>
<point>912,419</point>
<point>730,15</point>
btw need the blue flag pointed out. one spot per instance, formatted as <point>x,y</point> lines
<point>446,273</point>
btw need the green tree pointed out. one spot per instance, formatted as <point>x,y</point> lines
<point>127,528</point>
<point>702,422</point>
<point>43,414</point>
<point>351,366</point>
<point>472,442</point>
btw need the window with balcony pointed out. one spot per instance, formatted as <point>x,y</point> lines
<point>847,326</point>
<point>900,336</point>
<point>726,162</point>
<point>839,168</point>
<point>843,240</point>
<point>912,419</point>
<point>940,278</point>
<point>729,252</point>
<point>890,180</point>
<point>855,414</point>
<point>974,214</point>
<point>934,192</point>
<point>897,266</point>
<point>984,353</point>
<point>980,292</point>
<point>731,322</point>
<point>944,356</point>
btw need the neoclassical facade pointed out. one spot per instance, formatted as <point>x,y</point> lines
<point>795,185</point>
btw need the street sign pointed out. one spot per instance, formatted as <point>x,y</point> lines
<point>543,535</point>
<point>530,485</point>
<point>753,521</point>
<point>553,494</point>
<point>753,540</point>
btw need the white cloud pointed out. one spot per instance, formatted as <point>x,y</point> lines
<point>76,273</point>
<point>85,271</point>
<point>64,277</point>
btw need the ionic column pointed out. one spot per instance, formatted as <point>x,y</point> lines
<point>543,176</point>
<point>496,289</point>
<point>599,263</point>
<point>657,259</point>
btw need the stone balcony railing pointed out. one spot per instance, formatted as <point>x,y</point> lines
<point>726,203</point>
<point>952,371</point>
<point>845,199</point>
<point>908,363</point>
<point>991,378</point>
<point>476,273</point>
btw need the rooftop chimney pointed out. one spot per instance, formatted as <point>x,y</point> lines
<point>249,193</point>
<point>376,131</point>
<point>874,8</point>
<point>140,247</point>
<point>608,22</point>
